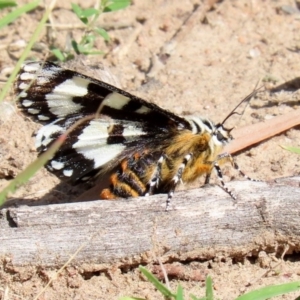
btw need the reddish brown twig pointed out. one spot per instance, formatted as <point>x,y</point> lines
<point>253,134</point>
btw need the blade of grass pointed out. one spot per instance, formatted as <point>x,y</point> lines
<point>209,289</point>
<point>24,176</point>
<point>158,285</point>
<point>17,12</point>
<point>41,161</point>
<point>179,293</point>
<point>8,3</point>
<point>26,51</point>
<point>271,291</point>
<point>291,149</point>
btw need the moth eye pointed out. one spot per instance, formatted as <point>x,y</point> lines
<point>220,136</point>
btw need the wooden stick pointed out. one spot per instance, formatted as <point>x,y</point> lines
<point>201,224</point>
<point>253,134</point>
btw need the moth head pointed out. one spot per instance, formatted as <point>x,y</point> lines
<point>221,135</point>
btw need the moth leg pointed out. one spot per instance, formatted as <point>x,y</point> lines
<point>220,177</point>
<point>156,176</point>
<point>176,179</point>
<point>226,157</point>
<point>207,178</point>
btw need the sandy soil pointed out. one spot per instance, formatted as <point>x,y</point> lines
<point>187,60</point>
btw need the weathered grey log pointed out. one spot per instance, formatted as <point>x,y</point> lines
<point>201,224</point>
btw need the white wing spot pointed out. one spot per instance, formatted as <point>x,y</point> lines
<point>43,137</point>
<point>27,103</point>
<point>132,131</point>
<point>43,118</point>
<point>115,100</point>
<point>31,67</point>
<point>23,86</point>
<point>27,76</point>
<point>46,74</point>
<point>42,80</point>
<point>23,94</point>
<point>57,165</point>
<point>60,101</point>
<point>96,131</point>
<point>76,86</point>
<point>33,111</point>
<point>92,144</point>
<point>143,110</point>
<point>68,173</point>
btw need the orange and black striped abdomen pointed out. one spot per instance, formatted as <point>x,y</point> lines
<point>132,177</point>
<point>135,174</point>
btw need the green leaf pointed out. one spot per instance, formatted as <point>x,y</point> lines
<point>158,285</point>
<point>89,40</point>
<point>89,12</point>
<point>271,291</point>
<point>102,32</point>
<point>18,12</point>
<point>291,149</point>
<point>4,3</point>
<point>84,49</point>
<point>77,10</point>
<point>79,13</point>
<point>209,289</point>
<point>179,294</point>
<point>84,14</point>
<point>84,20</point>
<point>75,46</point>
<point>116,5</point>
<point>58,54</point>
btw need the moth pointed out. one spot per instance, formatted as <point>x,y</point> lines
<point>148,150</point>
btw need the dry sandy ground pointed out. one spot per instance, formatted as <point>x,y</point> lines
<point>187,60</point>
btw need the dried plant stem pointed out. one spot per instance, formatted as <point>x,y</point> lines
<point>252,134</point>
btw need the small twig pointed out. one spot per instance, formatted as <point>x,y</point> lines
<point>60,270</point>
<point>107,26</point>
<point>163,269</point>
<point>125,48</point>
<point>252,134</point>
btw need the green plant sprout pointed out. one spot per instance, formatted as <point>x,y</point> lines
<point>292,149</point>
<point>89,18</point>
<point>260,294</point>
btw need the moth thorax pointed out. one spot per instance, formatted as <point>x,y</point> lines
<point>200,125</point>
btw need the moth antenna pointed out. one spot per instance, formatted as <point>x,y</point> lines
<point>246,99</point>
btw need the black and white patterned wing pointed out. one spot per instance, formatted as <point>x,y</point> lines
<point>125,123</point>
<point>48,92</point>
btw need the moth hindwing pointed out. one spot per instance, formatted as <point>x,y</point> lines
<point>149,150</point>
